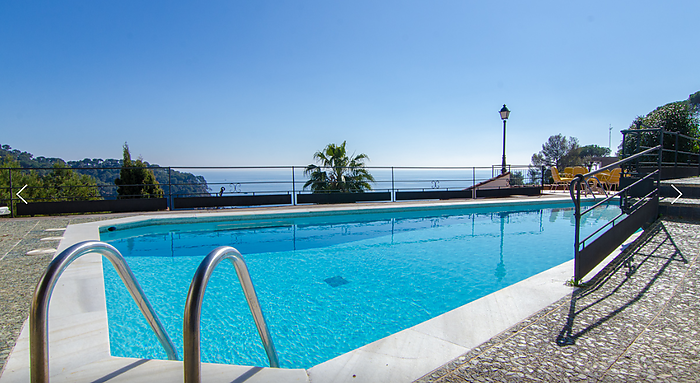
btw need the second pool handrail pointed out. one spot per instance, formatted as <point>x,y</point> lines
<point>193,309</point>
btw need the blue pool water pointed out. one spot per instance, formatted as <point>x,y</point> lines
<point>330,284</point>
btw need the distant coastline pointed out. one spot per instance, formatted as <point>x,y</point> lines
<point>106,171</point>
<point>198,181</point>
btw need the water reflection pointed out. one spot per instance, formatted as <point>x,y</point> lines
<point>500,272</point>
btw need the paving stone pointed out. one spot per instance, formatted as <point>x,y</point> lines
<point>644,326</point>
<point>19,273</point>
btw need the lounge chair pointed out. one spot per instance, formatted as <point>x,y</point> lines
<point>599,180</point>
<point>614,179</point>
<point>602,177</point>
<point>579,170</point>
<point>559,180</point>
<point>568,172</point>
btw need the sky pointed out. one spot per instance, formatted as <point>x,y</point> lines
<point>409,83</point>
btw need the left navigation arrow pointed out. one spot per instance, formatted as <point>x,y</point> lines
<point>20,197</point>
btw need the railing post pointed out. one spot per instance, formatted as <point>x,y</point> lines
<point>577,215</point>
<point>675,160</point>
<point>393,190</point>
<point>660,159</point>
<point>170,191</point>
<point>12,205</point>
<point>661,150</point>
<point>294,188</point>
<point>473,182</point>
<point>543,170</point>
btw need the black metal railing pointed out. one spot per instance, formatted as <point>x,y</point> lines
<point>221,187</point>
<point>679,157</point>
<point>636,210</point>
<point>649,156</point>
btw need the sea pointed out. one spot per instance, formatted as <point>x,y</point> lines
<point>271,180</point>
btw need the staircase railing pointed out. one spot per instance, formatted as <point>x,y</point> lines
<point>637,209</point>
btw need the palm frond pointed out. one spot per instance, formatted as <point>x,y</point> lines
<point>337,172</point>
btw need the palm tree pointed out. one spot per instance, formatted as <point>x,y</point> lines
<point>337,172</point>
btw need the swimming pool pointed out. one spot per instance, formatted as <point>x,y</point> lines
<point>330,284</point>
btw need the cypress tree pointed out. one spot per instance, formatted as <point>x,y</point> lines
<point>136,180</point>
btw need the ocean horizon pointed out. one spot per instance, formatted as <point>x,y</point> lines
<point>284,180</point>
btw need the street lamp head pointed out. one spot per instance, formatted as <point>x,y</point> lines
<point>504,112</point>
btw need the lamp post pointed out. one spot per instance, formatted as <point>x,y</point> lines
<point>504,116</point>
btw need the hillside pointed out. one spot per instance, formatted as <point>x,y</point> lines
<point>106,171</point>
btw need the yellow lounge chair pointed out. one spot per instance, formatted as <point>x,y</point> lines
<point>603,176</point>
<point>600,179</point>
<point>614,179</point>
<point>559,180</point>
<point>579,170</point>
<point>568,172</point>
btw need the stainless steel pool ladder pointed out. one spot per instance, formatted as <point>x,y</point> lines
<point>193,309</point>
<point>38,318</point>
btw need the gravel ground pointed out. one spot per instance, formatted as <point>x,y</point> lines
<point>19,272</point>
<point>640,322</point>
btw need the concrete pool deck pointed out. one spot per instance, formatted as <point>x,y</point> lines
<point>641,326</point>
<point>424,350</point>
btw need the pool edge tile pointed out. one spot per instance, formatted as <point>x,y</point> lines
<point>445,341</point>
<point>401,357</point>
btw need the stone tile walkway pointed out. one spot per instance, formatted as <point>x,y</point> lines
<point>639,322</point>
<point>19,272</point>
<point>682,181</point>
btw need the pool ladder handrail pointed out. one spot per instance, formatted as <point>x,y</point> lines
<point>193,308</point>
<point>38,316</point>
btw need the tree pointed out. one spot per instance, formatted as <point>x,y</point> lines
<point>694,101</point>
<point>65,184</point>
<point>585,154</point>
<point>60,184</point>
<point>106,171</point>
<point>679,116</point>
<point>337,172</point>
<point>557,151</point>
<point>19,179</point>
<point>593,151</point>
<point>562,152</point>
<point>517,178</point>
<point>136,180</point>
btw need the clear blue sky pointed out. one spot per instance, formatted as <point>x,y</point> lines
<point>225,83</point>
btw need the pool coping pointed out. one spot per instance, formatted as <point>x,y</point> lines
<point>79,342</point>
